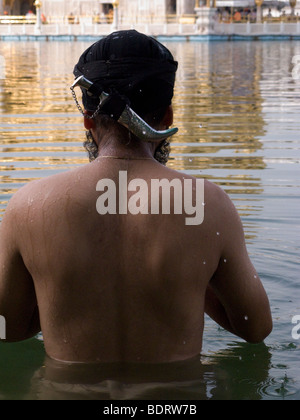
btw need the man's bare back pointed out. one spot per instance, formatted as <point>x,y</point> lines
<point>121,287</point>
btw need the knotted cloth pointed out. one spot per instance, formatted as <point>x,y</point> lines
<point>132,64</point>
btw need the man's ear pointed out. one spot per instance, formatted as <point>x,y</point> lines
<point>89,123</point>
<point>169,117</point>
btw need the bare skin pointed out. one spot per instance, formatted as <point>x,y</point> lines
<point>127,288</point>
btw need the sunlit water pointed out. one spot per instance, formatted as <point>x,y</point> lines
<point>238,110</point>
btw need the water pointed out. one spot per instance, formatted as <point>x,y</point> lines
<point>237,108</point>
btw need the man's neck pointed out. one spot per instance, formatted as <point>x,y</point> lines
<point>130,149</point>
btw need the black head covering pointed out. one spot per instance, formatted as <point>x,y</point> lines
<point>134,65</point>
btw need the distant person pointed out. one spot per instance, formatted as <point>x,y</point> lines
<point>71,19</point>
<point>110,15</point>
<point>29,14</point>
<point>43,18</point>
<point>237,17</point>
<point>107,285</point>
<point>226,16</point>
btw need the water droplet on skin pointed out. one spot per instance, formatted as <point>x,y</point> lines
<point>218,233</point>
<point>225,261</point>
<point>246,318</point>
<point>255,276</point>
<point>204,262</point>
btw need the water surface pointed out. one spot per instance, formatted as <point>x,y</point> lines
<point>238,111</point>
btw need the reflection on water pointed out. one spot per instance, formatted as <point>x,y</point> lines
<point>217,377</point>
<point>237,108</point>
<point>237,372</point>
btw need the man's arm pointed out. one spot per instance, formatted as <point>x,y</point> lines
<point>236,298</point>
<point>18,304</point>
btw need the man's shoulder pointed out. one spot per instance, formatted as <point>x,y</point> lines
<point>222,209</point>
<point>215,193</point>
<point>34,191</point>
<point>218,199</point>
<point>37,186</point>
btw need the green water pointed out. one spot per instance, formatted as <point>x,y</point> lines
<point>238,111</point>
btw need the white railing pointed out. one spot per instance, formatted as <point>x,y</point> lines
<point>104,19</point>
<point>87,26</point>
<point>266,28</point>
